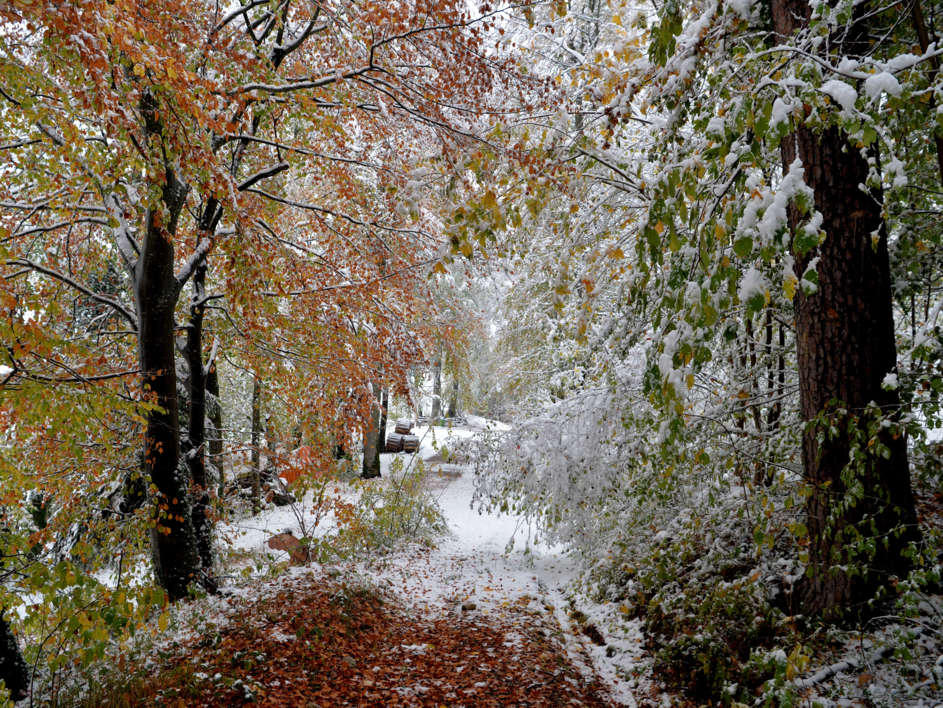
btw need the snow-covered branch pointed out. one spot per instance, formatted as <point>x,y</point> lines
<point>82,288</point>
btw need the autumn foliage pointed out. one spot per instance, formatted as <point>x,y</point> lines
<point>187,187</point>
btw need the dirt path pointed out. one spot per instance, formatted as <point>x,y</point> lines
<point>477,620</point>
<point>318,641</point>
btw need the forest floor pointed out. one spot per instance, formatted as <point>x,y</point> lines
<point>481,613</point>
<point>486,615</point>
<point>313,640</point>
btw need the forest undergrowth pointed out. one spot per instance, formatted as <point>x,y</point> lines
<point>722,621</point>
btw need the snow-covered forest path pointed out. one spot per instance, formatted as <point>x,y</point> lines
<point>491,564</point>
<point>483,617</point>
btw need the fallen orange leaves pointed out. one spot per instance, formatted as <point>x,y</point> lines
<point>328,643</point>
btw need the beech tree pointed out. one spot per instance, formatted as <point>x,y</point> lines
<point>161,137</point>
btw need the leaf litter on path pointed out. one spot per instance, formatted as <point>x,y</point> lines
<point>322,641</point>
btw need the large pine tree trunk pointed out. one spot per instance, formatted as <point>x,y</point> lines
<point>196,425</point>
<point>13,669</point>
<point>859,516</point>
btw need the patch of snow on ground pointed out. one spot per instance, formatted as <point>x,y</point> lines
<point>491,562</point>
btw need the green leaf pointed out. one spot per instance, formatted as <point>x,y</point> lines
<point>743,246</point>
<point>803,242</point>
<point>756,303</point>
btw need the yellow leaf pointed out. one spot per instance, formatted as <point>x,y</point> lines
<point>718,230</point>
<point>139,70</point>
<point>659,227</point>
<point>439,268</point>
<point>163,621</point>
<point>616,253</point>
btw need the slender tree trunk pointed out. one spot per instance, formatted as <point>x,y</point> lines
<point>860,515</point>
<point>923,37</point>
<point>255,443</point>
<point>436,388</point>
<point>215,434</point>
<point>385,403</point>
<point>13,669</point>
<point>453,393</point>
<point>196,428</point>
<point>371,438</point>
<point>271,457</point>
<point>209,219</point>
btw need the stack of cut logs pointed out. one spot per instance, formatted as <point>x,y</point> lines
<point>400,440</point>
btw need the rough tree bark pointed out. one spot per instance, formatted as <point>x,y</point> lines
<point>859,517</point>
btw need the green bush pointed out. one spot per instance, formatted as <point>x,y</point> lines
<point>705,634</point>
<point>706,615</point>
<point>388,512</point>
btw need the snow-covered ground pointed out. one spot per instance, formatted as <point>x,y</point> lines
<point>487,563</point>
